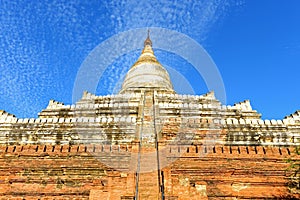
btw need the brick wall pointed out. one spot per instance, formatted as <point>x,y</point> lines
<point>190,172</point>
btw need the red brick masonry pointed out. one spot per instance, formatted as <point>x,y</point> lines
<point>102,172</point>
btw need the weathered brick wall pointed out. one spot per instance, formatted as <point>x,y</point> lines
<point>59,172</point>
<point>86,172</point>
<point>229,172</point>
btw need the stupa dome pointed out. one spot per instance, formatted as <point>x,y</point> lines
<point>147,72</point>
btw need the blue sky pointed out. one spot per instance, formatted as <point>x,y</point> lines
<point>254,43</point>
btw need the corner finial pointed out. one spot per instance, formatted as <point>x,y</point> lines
<point>148,41</point>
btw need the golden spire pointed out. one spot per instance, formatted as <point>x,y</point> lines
<point>147,55</point>
<point>147,72</point>
<point>148,41</point>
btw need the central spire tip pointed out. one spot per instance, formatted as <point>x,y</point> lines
<point>148,40</point>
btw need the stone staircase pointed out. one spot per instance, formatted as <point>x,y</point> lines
<point>148,133</point>
<point>148,179</point>
<point>148,185</point>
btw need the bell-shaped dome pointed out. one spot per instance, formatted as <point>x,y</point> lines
<point>147,72</point>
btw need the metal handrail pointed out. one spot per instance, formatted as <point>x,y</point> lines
<point>137,174</point>
<point>160,182</point>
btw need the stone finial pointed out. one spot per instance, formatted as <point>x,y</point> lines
<point>244,106</point>
<point>210,95</point>
<point>54,104</point>
<point>295,117</point>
